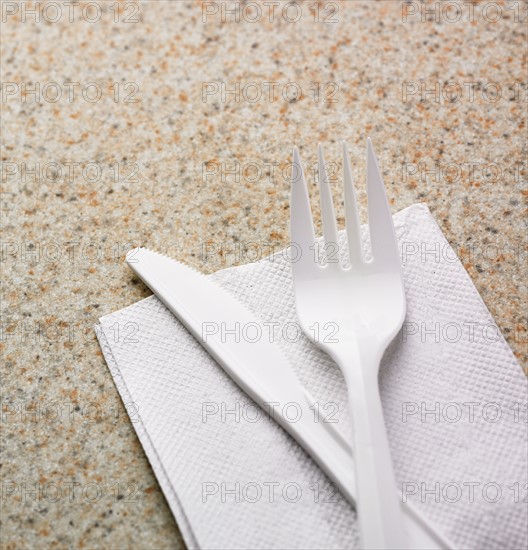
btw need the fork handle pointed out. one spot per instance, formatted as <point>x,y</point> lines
<point>379,509</point>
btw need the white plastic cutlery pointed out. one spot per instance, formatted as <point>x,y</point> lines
<point>367,303</point>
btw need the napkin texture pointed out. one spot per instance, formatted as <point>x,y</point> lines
<point>454,399</point>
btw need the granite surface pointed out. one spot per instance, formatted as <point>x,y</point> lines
<point>170,124</point>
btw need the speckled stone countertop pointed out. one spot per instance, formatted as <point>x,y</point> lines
<point>171,124</point>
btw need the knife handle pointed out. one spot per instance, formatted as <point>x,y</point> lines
<point>332,452</point>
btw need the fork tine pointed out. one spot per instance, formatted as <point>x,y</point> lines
<point>351,212</point>
<point>327,204</point>
<point>381,227</point>
<point>302,231</point>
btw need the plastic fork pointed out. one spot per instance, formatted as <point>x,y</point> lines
<point>367,302</point>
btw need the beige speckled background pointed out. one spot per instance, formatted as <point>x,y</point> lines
<point>54,229</point>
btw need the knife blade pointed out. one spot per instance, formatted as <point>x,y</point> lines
<point>261,368</point>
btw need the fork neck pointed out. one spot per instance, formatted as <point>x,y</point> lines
<point>359,363</point>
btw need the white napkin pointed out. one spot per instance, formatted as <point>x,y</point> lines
<point>235,482</point>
